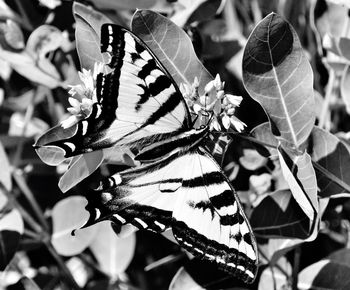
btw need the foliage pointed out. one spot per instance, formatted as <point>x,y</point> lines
<point>290,62</point>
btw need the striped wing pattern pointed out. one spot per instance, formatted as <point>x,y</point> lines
<point>138,101</point>
<point>196,201</point>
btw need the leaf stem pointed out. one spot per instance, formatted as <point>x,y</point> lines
<point>22,184</point>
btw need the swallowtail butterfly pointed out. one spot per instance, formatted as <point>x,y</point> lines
<point>183,188</point>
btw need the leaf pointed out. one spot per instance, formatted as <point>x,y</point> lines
<point>251,159</point>
<point>276,248</point>
<point>333,156</point>
<point>34,127</point>
<point>88,34</point>
<point>287,221</point>
<point>301,178</point>
<point>263,134</point>
<point>344,47</point>
<point>11,229</point>
<point>333,20</point>
<point>260,184</point>
<point>25,65</point>
<point>277,74</point>
<point>274,278</point>
<point>172,46</point>
<point>83,166</point>
<point>345,87</point>
<point>44,39</point>
<point>67,215</point>
<point>114,254</point>
<point>53,155</point>
<point>122,4</point>
<point>5,172</point>
<point>329,273</point>
<point>195,10</point>
<point>12,34</point>
<point>344,3</point>
<point>183,280</point>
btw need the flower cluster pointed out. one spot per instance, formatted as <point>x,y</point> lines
<point>214,106</point>
<point>83,95</point>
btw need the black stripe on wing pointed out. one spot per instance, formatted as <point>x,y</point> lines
<point>212,251</point>
<point>138,101</point>
<point>187,192</point>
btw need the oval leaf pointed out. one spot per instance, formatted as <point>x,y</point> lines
<point>333,157</point>
<point>288,219</point>
<point>183,280</point>
<point>88,34</point>
<point>277,74</point>
<point>67,215</point>
<point>82,167</point>
<point>301,178</point>
<point>114,254</point>
<point>329,273</point>
<point>172,46</point>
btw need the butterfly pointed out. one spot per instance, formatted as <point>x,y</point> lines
<point>179,184</point>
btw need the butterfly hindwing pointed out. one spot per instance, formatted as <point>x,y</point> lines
<point>138,101</point>
<point>195,200</point>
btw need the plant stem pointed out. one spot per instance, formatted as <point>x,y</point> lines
<point>28,116</point>
<point>25,215</point>
<point>68,275</point>
<point>31,234</point>
<point>297,254</point>
<point>22,184</point>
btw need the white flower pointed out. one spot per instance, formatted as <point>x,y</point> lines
<point>237,124</point>
<point>214,106</point>
<point>83,95</point>
<point>52,4</point>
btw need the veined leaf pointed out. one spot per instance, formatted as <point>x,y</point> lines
<point>330,154</point>
<point>172,46</point>
<point>88,34</point>
<point>113,253</point>
<point>301,178</point>
<point>333,156</point>
<point>288,220</point>
<point>277,74</point>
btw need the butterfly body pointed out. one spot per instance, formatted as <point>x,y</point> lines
<point>179,184</point>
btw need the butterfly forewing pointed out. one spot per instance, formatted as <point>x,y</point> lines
<point>188,193</point>
<point>138,101</point>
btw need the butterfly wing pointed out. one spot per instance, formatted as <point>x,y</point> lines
<point>188,193</point>
<point>138,101</point>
